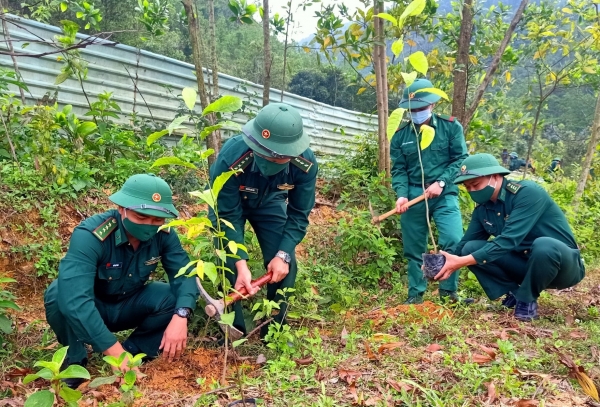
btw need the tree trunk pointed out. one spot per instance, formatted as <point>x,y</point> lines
<point>379,63</point>
<point>285,46</point>
<point>11,49</point>
<point>461,80</point>
<point>267,54</point>
<point>533,131</point>
<point>589,156</point>
<point>195,40</point>
<point>214,137</point>
<point>489,74</point>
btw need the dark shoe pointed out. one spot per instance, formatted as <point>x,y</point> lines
<point>73,383</point>
<point>526,311</point>
<point>417,299</point>
<point>509,301</point>
<point>452,296</point>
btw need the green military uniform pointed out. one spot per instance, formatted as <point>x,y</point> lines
<point>533,246</point>
<point>102,287</point>
<point>441,162</point>
<point>276,206</point>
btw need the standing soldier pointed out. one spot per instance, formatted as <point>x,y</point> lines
<point>101,286</point>
<point>275,194</point>
<point>533,246</point>
<point>441,162</point>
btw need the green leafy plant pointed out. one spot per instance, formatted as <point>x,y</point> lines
<point>7,302</point>
<point>51,371</point>
<point>128,376</point>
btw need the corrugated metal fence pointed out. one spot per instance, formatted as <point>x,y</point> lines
<point>116,67</point>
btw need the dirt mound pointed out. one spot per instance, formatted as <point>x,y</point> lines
<point>409,313</point>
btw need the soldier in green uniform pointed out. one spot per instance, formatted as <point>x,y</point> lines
<point>441,161</point>
<point>275,194</point>
<point>533,246</point>
<point>101,286</point>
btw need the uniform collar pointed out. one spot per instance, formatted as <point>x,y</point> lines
<point>502,194</point>
<point>120,235</point>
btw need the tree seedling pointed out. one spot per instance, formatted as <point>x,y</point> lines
<point>128,389</point>
<point>51,371</point>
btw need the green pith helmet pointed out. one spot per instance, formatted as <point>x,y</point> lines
<point>276,132</point>
<point>513,155</point>
<point>146,194</point>
<point>479,165</point>
<point>411,99</point>
<point>557,159</point>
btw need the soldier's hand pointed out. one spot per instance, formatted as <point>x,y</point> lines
<point>175,338</point>
<point>279,268</point>
<point>244,279</point>
<point>400,207</point>
<point>452,264</point>
<point>434,190</point>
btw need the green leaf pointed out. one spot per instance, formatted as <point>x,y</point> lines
<point>155,136</point>
<point>413,9</point>
<point>7,280</point>
<point>172,161</point>
<point>111,360</point>
<point>221,254</point>
<point>69,395</point>
<point>46,373</point>
<point>419,61</point>
<point>207,153</point>
<point>86,128</point>
<point>220,181</point>
<point>227,223</point>
<point>232,247</point>
<point>189,97</point>
<point>130,377</point>
<point>176,123</point>
<point>409,78</point>
<point>237,343</point>
<point>42,398</point>
<point>5,324</point>
<point>387,17</point>
<point>427,135</point>
<point>394,122</point>
<point>9,304</point>
<point>100,381</point>
<point>64,6</point>
<point>136,360</point>
<point>205,196</point>
<point>62,77</point>
<point>30,377</point>
<point>225,104</point>
<point>200,269</point>
<point>210,270</point>
<point>435,91</point>
<point>53,366</point>
<point>227,319</point>
<point>398,46</point>
<point>74,372</point>
<point>185,268</point>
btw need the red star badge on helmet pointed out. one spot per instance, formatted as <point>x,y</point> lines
<point>266,133</point>
<point>156,197</point>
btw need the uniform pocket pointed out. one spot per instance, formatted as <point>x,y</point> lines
<point>109,281</point>
<point>409,149</point>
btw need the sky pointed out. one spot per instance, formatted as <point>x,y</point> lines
<point>305,22</point>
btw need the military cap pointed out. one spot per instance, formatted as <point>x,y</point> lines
<point>479,165</point>
<point>412,99</point>
<point>146,194</point>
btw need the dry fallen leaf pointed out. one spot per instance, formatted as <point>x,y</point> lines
<point>383,337</point>
<point>304,361</point>
<point>434,347</point>
<point>526,403</point>
<point>578,335</point>
<point>370,353</point>
<point>491,392</point>
<point>399,386</point>
<point>390,346</point>
<point>314,290</point>
<point>349,376</point>
<point>481,359</point>
<point>578,373</point>
<point>504,334</point>
<point>261,359</point>
<point>372,401</point>
<point>344,336</point>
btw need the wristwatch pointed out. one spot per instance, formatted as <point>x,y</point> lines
<point>284,256</point>
<point>183,312</point>
<point>441,183</point>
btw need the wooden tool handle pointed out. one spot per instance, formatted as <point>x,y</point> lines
<point>242,292</point>
<point>408,205</point>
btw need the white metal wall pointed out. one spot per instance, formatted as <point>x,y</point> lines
<point>108,66</point>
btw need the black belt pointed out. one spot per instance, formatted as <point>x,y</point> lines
<point>419,185</point>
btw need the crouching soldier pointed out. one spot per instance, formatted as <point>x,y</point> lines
<point>101,286</point>
<point>533,247</point>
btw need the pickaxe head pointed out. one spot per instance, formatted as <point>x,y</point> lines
<point>216,308</point>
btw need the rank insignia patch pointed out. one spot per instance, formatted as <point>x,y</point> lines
<point>153,260</point>
<point>105,229</point>
<point>285,187</point>
<point>513,187</point>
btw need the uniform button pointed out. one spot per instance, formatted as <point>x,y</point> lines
<point>525,252</point>
<point>499,213</point>
<point>123,292</point>
<point>110,278</point>
<point>130,275</point>
<point>245,196</point>
<point>485,261</point>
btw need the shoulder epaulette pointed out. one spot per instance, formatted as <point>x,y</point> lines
<point>403,124</point>
<point>446,117</point>
<point>513,187</point>
<point>302,163</point>
<point>166,230</point>
<point>242,162</point>
<point>105,229</point>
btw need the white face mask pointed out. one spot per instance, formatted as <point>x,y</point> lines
<point>421,116</point>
